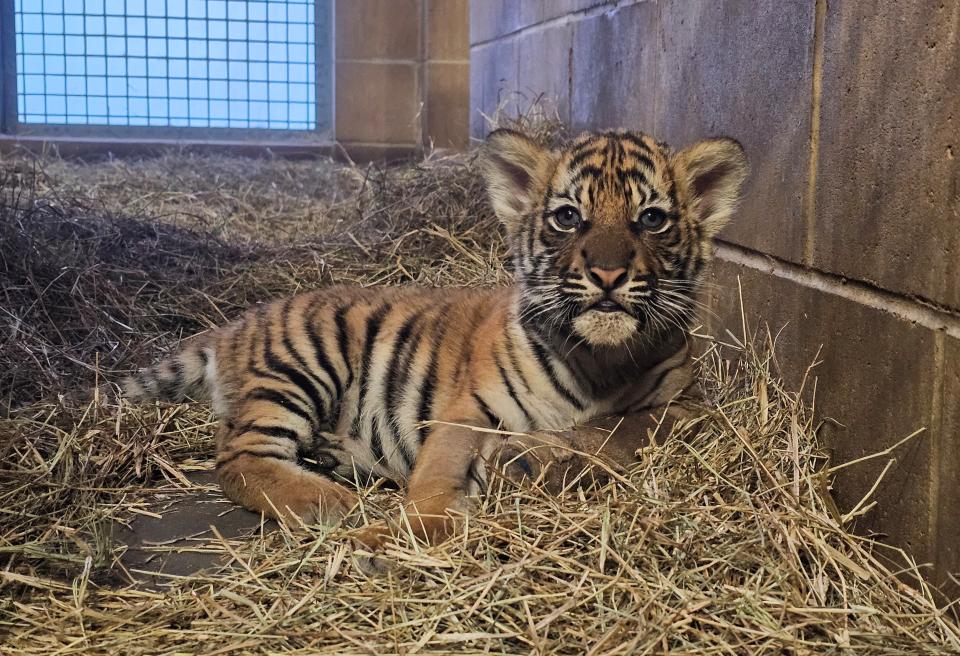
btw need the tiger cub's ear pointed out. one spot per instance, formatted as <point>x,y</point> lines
<point>712,173</point>
<point>516,170</point>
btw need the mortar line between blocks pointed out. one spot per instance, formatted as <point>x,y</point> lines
<point>936,446</point>
<point>810,199</point>
<point>602,7</point>
<point>915,310</point>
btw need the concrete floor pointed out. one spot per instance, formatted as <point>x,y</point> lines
<point>161,549</point>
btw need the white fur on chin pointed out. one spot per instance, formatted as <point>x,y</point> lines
<point>605,328</point>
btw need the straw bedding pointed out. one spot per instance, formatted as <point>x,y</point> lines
<point>721,542</point>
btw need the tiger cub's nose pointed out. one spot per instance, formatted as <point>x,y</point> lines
<point>607,279</point>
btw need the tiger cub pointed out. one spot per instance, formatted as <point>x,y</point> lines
<point>609,237</point>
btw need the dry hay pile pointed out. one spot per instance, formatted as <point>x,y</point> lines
<point>725,542</point>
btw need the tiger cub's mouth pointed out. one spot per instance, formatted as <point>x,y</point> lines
<point>607,305</point>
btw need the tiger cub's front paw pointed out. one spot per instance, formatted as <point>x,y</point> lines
<point>543,458</point>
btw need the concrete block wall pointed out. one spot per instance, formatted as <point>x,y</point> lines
<point>849,234</point>
<point>402,75</point>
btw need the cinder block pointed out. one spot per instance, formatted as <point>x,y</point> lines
<point>365,152</point>
<point>378,29</point>
<point>447,105</point>
<point>743,69</point>
<point>614,69</point>
<point>493,83</point>
<point>948,501</point>
<point>544,68</point>
<point>478,78</point>
<point>490,19</point>
<point>888,184</point>
<point>448,29</point>
<point>875,383</point>
<point>377,103</point>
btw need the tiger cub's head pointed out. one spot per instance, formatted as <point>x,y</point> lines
<point>611,233</point>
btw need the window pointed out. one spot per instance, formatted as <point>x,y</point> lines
<point>239,65</point>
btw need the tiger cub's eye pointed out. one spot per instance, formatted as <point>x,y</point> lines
<point>653,219</point>
<point>566,219</point>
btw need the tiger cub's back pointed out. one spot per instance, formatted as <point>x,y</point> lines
<point>369,365</point>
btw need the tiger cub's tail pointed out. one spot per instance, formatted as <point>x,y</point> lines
<point>178,377</point>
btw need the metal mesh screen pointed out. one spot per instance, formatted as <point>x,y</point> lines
<point>179,63</point>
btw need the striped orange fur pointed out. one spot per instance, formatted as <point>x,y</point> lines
<point>609,238</point>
